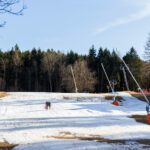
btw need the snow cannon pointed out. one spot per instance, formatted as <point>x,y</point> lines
<point>148,118</point>
<point>116,103</point>
<point>148,113</point>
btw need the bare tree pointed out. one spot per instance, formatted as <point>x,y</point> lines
<point>50,63</point>
<point>147,50</point>
<point>67,80</point>
<point>146,74</point>
<point>17,63</point>
<point>85,79</point>
<point>9,6</point>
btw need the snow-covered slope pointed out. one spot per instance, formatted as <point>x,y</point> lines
<point>23,120</point>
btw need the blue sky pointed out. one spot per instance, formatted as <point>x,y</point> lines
<point>78,24</point>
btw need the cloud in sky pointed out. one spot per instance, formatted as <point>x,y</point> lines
<point>145,12</point>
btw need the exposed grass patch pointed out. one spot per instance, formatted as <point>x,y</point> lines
<point>65,97</point>
<point>140,118</point>
<point>66,133</point>
<point>7,146</point>
<point>91,137</point>
<point>139,95</point>
<point>97,138</point>
<point>3,94</point>
<point>77,98</point>
<point>74,98</point>
<point>146,141</point>
<point>110,97</point>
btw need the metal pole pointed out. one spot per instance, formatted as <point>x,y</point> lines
<point>134,79</point>
<point>107,78</point>
<point>76,90</point>
<point>125,78</point>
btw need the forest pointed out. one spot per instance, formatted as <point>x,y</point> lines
<point>50,71</point>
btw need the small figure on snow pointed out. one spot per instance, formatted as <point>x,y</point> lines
<point>47,105</point>
<point>147,108</point>
<point>148,113</point>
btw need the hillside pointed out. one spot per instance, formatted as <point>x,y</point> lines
<point>75,121</point>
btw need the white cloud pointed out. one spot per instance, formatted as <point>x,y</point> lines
<point>133,17</point>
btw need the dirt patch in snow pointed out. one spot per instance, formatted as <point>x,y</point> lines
<point>146,141</point>
<point>7,146</point>
<point>140,118</point>
<point>139,95</point>
<point>3,94</point>
<point>110,97</point>
<point>98,138</point>
<point>79,98</point>
<point>90,137</point>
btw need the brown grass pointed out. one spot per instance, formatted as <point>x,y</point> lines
<point>88,138</point>
<point>145,141</point>
<point>140,118</point>
<point>91,137</point>
<point>139,95</point>
<point>65,97</point>
<point>7,146</point>
<point>66,133</point>
<point>110,97</point>
<point>97,138</point>
<point>3,94</point>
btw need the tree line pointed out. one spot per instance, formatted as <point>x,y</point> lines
<point>50,70</point>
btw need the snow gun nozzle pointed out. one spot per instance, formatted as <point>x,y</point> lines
<point>116,103</point>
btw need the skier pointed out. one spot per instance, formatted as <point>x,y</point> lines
<point>47,105</point>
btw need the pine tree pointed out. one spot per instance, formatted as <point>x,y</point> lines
<point>104,56</point>
<point>92,58</point>
<point>135,65</point>
<point>71,57</point>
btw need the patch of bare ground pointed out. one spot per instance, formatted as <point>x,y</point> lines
<point>110,97</point>
<point>145,141</point>
<point>90,137</point>
<point>138,95</point>
<point>140,118</point>
<point>77,98</point>
<point>65,97</point>
<point>3,94</point>
<point>97,138</point>
<point>7,146</point>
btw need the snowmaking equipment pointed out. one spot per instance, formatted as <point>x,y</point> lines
<point>125,77</point>
<point>139,88</point>
<point>115,102</point>
<point>76,89</point>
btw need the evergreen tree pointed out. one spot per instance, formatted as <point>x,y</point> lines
<point>104,57</point>
<point>116,73</point>
<point>92,58</point>
<point>71,57</point>
<point>39,70</point>
<point>135,65</point>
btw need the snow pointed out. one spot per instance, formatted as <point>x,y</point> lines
<point>24,121</point>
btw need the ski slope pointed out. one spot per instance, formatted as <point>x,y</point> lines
<point>24,121</point>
